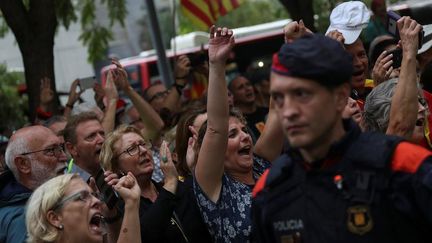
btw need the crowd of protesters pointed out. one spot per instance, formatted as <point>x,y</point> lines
<point>332,144</point>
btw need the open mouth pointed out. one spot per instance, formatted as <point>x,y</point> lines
<point>145,161</point>
<point>358,73</point>
<point>420,122</point>
<point>97,223</point>
<point>250,95</point>
<point>98,151</point>
<point>245,150</point>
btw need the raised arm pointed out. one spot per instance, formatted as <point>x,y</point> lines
<point>111,96</point>
<point>210,164</point>
<point>404,106</point>
<point>73,97</point>
<point>151,119</point>
<point>270,143</point>
<point>295,30</point>
<point>129,190</point>
<point>181,73</point>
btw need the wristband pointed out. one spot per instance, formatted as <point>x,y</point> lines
<point>184,77</point>
<point>69,105</point>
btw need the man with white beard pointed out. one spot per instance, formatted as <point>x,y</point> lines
<point>34,155</point>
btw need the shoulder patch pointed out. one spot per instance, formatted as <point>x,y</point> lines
<point>260,183</point>
<point>408,157</point>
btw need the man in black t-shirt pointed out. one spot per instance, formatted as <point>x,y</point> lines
<point>244,99</point>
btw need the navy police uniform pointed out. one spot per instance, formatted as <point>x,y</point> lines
<point>370,188</point>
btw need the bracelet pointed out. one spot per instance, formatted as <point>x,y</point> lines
<point>184,77</point>
<point>179,88</point>
<point>69,105</point>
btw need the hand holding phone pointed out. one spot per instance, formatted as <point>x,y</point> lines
<point>87,83</point>
<point>397,57</point>
<point>110,196</point>
<point>393,29</point>
<point>383,67</point>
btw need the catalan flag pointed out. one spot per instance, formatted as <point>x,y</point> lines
<point>204,13</point>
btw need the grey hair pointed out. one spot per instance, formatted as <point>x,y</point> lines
<point>377,106</point>
<point>16,146</point>
<point>85,107</point>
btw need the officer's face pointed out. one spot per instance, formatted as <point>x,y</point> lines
<point>309,112</point>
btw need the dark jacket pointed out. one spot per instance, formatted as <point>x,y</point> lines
<point>370,188</point>
<point>13,197</point>
<point>172,218</point>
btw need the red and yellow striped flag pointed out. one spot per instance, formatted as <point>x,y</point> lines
<point>204,13</point>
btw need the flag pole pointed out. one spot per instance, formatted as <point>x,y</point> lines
<point>162,63</point>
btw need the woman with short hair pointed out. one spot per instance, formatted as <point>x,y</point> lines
<point>66,209</point>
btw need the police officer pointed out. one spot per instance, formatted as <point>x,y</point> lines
<point>336,184</point>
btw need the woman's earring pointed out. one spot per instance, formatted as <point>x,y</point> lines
<point>60,227</point>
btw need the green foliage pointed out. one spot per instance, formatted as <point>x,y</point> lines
<point>12,106</point>
<point>322,9</point>
<point>96,38</point>
<point>94,35</point>
<point>87,12</point>
<point>116,10</point>
<point>65,12</point>
<point>3,26</point>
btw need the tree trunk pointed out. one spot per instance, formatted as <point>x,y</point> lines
<point>34,29</point>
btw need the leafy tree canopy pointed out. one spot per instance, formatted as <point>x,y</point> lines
<point>12,105</point>
<point>95,35</point>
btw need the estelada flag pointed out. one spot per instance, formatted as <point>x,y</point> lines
<point>204,13</point>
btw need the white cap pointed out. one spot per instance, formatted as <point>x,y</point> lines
<point>349,18</point>
<point>427,39</point>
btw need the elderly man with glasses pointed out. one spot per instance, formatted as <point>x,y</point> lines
<point>34,155</point>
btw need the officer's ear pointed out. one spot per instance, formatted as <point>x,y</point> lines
<point>341,94</point>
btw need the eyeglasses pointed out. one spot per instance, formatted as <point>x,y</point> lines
<point>159,95</point>
<point>83,196</point>
<point>55,150</point>
<point>134,149</point>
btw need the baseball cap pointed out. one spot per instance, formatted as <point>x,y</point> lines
<point>349,18</point>
<point>314,57</point>
<point>427,39</point>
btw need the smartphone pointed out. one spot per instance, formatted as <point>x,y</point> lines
<point>393,29</point>
<point>392,23</point>
<point>397,57</point>
<point>110,196</point>
<point>87,83</point>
